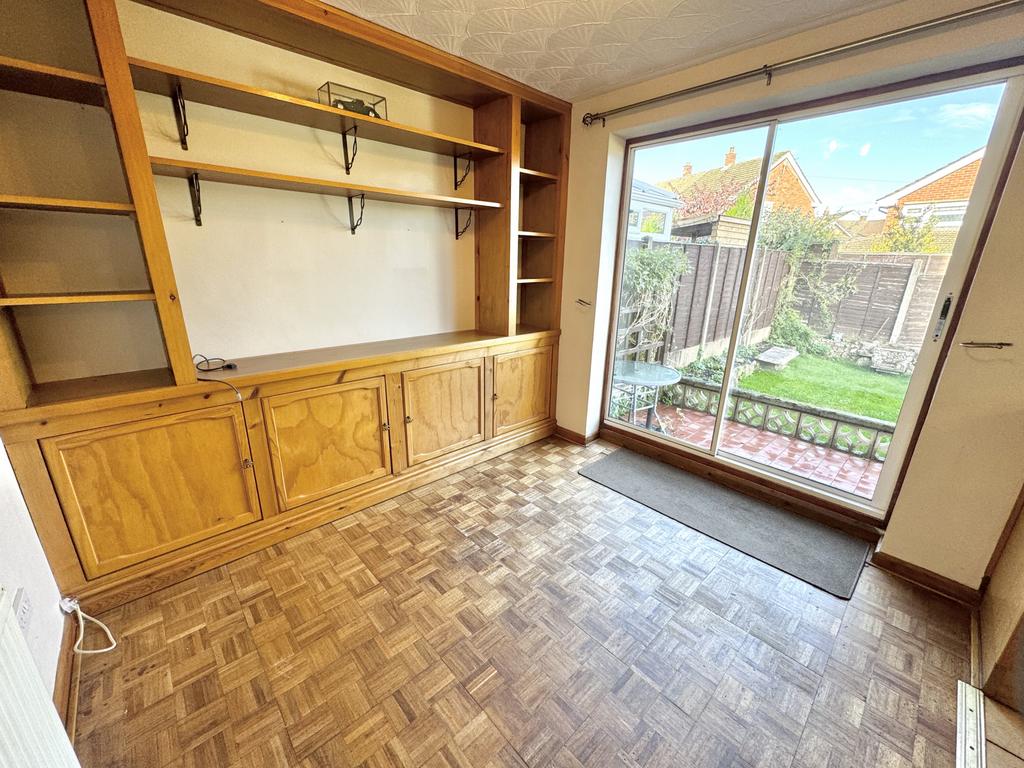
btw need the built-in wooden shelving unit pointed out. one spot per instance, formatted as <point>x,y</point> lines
<point>49,299</point>
<point>29,202</point>
<point>161,79</point>
<point>52,82</point>
<point>163,166</point>
<point>97,366</point>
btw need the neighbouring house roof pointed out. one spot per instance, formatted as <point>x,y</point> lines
<point>893,197</point>
<point>651,194</point>
<point>739,176</point>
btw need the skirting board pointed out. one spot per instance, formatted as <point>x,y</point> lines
<point>574,437</point>
<point>65,686</point>
<point>927,579</point>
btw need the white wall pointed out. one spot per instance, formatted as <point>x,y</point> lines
<point>594,190</point>
<point>23,564</point>
<point>272,271</point>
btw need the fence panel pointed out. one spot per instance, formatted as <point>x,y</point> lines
<point>870,311</point>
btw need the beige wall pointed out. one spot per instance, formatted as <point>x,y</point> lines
<point>270,271</point>
<point>1002,619</point>
<point>594,188</point>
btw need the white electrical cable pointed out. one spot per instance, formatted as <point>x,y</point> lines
<point>70,605</point>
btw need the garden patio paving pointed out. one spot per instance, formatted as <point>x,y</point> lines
<point>833,468</point>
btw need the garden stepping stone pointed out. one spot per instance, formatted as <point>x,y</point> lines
<point>777,358</point>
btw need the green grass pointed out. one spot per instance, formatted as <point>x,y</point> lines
<point>837,384</point>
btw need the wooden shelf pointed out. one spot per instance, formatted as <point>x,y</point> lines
<point>534,280</point>
<point>51,392</point>
<point>203,89</point>
<point>525,174</point>
<point>52,82</point>
<point>182,169</point>
<point>540,235</point>
<point>49,299</point>
<point>62,204</point>
<point>523,329</point>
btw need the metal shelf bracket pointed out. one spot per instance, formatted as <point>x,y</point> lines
<point>180,115</point>
<point>350,159</point>
<point>461,230</point>
<point>353,222</point>
<point>197,198</point>
<point>461,177</point>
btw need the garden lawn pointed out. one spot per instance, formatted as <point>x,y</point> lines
<point>835,384</point>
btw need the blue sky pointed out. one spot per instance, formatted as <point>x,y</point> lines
<point>851,159</point>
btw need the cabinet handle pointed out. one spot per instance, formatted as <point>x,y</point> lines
<point>408,419</point>
<point>385,427</point>
<point>246,463</point>
<point>494,396</point>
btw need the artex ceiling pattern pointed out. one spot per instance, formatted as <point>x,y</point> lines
<point>573,49</point>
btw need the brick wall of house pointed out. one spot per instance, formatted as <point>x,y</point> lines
<point>786,191</point>
<point>952,186</point>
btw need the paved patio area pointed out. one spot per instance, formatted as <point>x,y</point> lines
<point>833,468</point>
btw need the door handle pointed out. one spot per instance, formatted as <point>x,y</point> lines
<point>986,344</point>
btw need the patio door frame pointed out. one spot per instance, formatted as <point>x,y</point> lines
<point>1000,149</point>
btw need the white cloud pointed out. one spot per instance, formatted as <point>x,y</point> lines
<point>970,116</point>
<point>865,149</point>
<point>830,148</point>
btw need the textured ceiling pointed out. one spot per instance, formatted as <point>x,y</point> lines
<point>573,49</point>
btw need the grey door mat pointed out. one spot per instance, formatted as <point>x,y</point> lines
<point>823,556</point>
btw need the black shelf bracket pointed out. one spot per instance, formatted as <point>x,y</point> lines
<point>460,178</point>
<point>180,115</point>
<point>461,230</point>
<point>197,198</point>
<point>353,222</point>
<point>350,159</point>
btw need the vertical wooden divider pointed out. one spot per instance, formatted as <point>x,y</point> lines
<point>131,142</point>
<point>497,178</point>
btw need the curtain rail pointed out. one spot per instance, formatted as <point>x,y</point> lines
<point>768,70</point>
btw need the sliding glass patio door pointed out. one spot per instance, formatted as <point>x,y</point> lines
<point>783,285</point>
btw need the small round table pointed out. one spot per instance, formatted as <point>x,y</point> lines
<point>650,375</point>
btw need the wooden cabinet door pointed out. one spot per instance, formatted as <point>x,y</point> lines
<point>444,408</point>
<point>327,439</point>
<point>133,491</point>
<point>522,388</point>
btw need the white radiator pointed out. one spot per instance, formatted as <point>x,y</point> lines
<point>31,733</point>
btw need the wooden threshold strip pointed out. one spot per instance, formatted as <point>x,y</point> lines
<point>53,82</point>
<point>64,204</point>
<point>163,166</point>
<point>47,299</point>
<point>161,79</point>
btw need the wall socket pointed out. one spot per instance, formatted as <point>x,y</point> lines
<point>22,609</point>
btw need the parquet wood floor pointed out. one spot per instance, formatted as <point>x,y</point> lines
<point>517,614</point>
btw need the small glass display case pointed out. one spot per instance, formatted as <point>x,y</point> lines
<point>353,100</point>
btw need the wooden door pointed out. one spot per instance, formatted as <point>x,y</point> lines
<point>522,388</point>
<point>327,439</point>
<point>133,491</point>
<point>444,408</point>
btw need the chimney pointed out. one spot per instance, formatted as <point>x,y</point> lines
<point>730,157</point>
<point>687,169</point>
